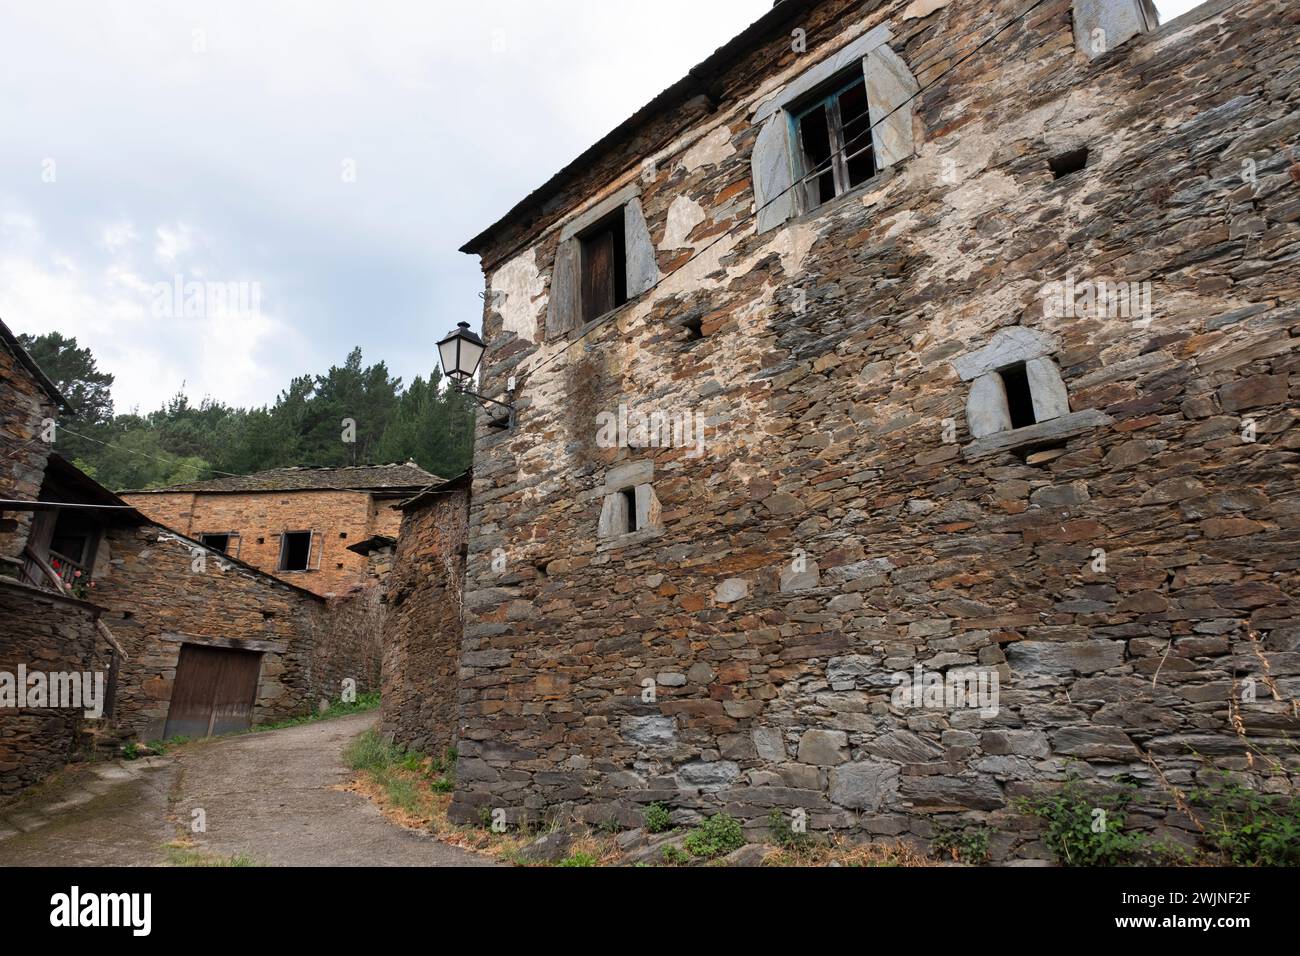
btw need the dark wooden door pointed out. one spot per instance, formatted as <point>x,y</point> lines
<point>598,262</point>
<point>214,692</point>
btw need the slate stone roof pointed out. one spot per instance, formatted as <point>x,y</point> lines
<point>409,477</point>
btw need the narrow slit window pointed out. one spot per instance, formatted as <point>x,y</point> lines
<point>629,496</point>
<point>1020,401</point>
<point>835,148</point>
<point>295,551</point>
<point>604,267</point>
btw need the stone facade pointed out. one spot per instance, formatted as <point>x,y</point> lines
<point>1123,565</point>
<point>422,640</point>
<point>338,518</point>
<point>25,403</point>
<point>157,596</point>
<point>44,633</point>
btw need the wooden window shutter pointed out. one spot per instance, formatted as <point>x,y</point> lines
<point>598,264</point>
<point>773,175</point>
<point>317,550</point>
<point>1102,25</point>
<point>642,261</point>
<point>891,102</point>
<point>236,542</point>
<point>562,310</point>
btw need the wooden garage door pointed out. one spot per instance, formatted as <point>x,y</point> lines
<point>214,692</point>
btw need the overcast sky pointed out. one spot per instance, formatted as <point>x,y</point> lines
<point>331,156</point>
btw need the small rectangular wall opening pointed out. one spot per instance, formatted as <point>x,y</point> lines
<point>1020,401</point>
<point>629,494</point>
<point>1068,163</point>
<point>217,542</point>
<point>295,551</point>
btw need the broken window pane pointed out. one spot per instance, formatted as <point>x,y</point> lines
<point>815,136</point>
<point>835,145</point>
<point>856,123</point>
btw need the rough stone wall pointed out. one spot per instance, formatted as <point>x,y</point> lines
<point>23,406</point>
<point>147,581</point>
<point>835,532</point>
<point>422,641</point>
<point>49,634</point>
<point>348,645</point>
<point>342,517</point>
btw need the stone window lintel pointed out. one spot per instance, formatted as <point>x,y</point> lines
<point>1044,433</point>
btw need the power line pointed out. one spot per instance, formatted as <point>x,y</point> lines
<point>141,454</point>
<point>817,172</point>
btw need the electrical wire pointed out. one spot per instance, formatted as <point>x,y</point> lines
<point>140,454</point>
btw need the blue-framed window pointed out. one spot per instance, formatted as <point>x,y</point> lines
<point>832,136</point>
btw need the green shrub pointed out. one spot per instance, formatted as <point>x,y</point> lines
<point>1249,828</point>
<point>970,845</point>
<point>717,836</point>
<point>657,818</point>
<point>1082,831</point>
<point>673,856</point>
<point>579,859</point>
<point>783,835</point>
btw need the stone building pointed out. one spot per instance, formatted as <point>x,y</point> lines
<point>423,629</point>
<point>39,630</point>
<point>179,638</point>
<point>298,524</point>
<point>28,402</point>
<point>999,395</point>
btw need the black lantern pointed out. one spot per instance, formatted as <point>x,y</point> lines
<point>461,353</point>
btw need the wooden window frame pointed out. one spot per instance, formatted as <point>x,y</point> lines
<point>311,547</point>
<point>615,224</point>
<point>830,102</point>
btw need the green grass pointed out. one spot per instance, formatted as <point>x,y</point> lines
<point>364,704</point>
<point>390,766</point>
<point>181,856</point>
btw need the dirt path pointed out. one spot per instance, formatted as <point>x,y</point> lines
<point>270,797</point>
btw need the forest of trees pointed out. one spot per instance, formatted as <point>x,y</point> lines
<point>424,422</point>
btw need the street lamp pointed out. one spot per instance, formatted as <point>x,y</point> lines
<point>461,353</point>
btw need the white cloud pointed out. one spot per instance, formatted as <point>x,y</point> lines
<point>221,161</point>
<point>173,242</point>
<point>118,235</point>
